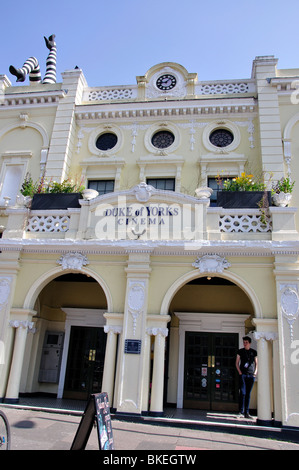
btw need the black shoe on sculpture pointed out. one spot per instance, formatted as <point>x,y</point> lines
<point>50,42</point>
<point>18,73</point>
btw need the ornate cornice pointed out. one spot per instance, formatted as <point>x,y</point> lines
<point>157,109</point>
<point>264,248</point>
<point>30,98</point>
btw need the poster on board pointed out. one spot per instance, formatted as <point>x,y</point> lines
<point>97,411</point>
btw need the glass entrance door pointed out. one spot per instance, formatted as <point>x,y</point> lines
<point>210,376</point>
<point>85,362</point>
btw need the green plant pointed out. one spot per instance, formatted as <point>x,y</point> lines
<point>29,188</point>
<point>284,185</point>
<point>241,183</point>
<point>66,186</point>
<point>263,205</point>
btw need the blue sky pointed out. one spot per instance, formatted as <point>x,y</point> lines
<point>114,41</point>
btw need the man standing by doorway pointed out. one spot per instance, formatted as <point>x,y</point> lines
<point>246,364</point>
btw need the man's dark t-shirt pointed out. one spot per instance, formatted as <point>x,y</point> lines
<point>247,363</point>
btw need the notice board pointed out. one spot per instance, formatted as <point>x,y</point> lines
<point>97,411</point>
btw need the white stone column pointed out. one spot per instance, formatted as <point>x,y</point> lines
<point>110,359</point>
<point>22,327</point>
<point>146,372</point>
<point>276,383</point>
<point>264,385</point>
<point>156,407</point>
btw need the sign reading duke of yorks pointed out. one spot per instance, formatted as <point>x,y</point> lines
<point>180,219</point>
<point>144,288</point>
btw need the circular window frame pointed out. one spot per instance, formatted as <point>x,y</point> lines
<point>112,136</point>
<point>105,129</point>
<point>167,127</point>
<point>168,132</point>
<point>225,125</point>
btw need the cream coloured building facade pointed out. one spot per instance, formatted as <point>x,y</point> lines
<point>146,290</point>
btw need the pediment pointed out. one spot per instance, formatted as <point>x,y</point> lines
<point>145,212</point>
<point>179,78</point>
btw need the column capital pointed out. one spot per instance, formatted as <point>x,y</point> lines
<point>113,328</point>
<point>266,335</point>
<point>154,331</point>
<point>22,324</point>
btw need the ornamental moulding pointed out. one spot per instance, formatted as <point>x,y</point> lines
<point>22,324</point>
<point>143,192</point>
<point>117,330</point>
<point>73,261</point>
<point>211,264</point>
<point>289,303</point>
<point>136,298</point>
<point>266,335</point>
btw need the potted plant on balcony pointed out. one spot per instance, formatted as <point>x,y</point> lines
<point>282,192</point>
<point>242,192</point>
<point>52,195</point>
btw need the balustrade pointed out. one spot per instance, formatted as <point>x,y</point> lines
<point>123,92</point>
<point>276,223</point>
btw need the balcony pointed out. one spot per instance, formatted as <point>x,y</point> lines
<point>212,223</point>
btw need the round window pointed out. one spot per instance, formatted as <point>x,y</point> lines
<point>221,137</point>
<point>162,139</point>
<point>106,141</point>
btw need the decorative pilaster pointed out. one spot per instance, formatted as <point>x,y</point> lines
<point>132,344</point>
<point>264,68</point>
<point>63,135</point>
<point>287,287</point>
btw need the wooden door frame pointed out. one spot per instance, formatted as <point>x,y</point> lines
<point>205,322</point>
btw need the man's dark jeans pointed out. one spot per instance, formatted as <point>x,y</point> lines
<point>246,384</point>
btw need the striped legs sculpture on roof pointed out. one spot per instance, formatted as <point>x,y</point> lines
<point>31,66</point>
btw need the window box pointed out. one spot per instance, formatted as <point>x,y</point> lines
<point>241,199</point>
<point>53,201</point>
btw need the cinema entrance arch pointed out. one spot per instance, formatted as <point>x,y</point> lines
<point>70,340</point>
<point>210,315</point>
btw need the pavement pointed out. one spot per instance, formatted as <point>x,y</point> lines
<point>33,429</point>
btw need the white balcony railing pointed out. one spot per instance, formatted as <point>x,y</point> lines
<point>48,223</point>
<point>218,224</point>
<point>244,221</point>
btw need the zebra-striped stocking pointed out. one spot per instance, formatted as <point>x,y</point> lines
<point>50,76</point>
<point>31,66</point>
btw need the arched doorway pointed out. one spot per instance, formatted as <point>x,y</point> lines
<point>69,347</point>
<point>210,315</point>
